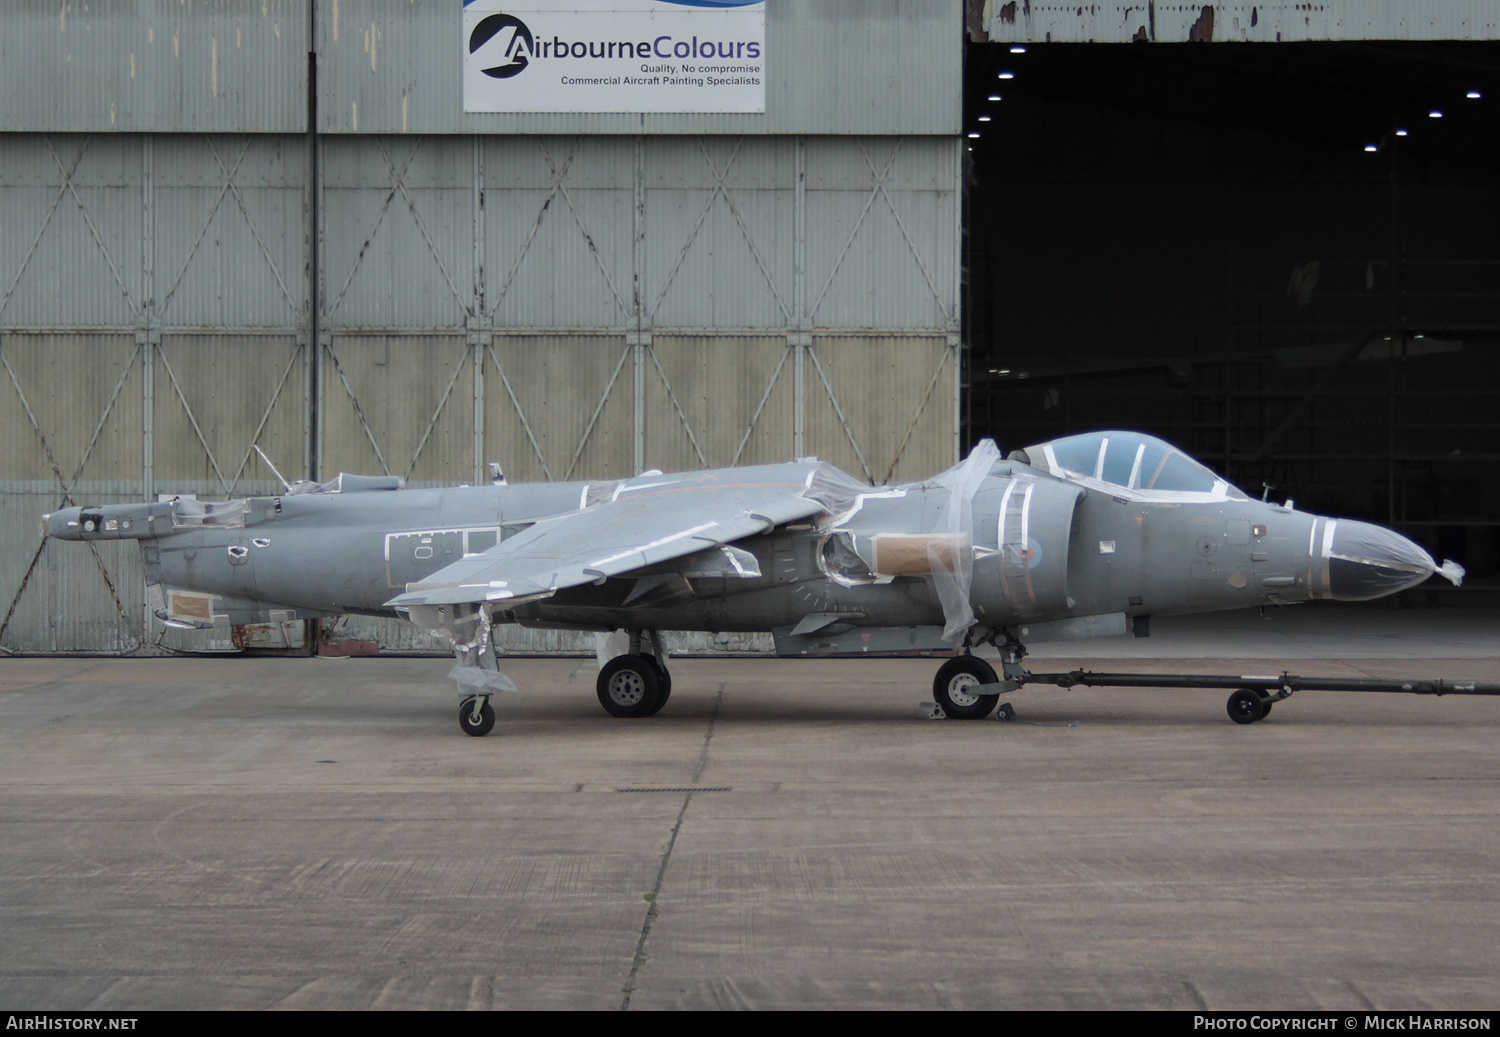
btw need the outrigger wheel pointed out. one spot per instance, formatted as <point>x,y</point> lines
<point>476,716</point>
<point>1247,705</point>
<point>951,688</point>
<point>630,686</point>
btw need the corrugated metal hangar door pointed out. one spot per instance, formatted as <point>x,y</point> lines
<point>594,306</point>
<point>663,303</point>
<point>151,331</point>
<point>572,296</point>
<point>569,307</point>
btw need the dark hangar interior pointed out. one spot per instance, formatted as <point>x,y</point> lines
<point>1284,257</point>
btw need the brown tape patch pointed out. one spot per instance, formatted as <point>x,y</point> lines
<point>181,605</point>
<point>907,554</point>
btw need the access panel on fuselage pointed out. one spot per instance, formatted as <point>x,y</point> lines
<point>411,557</point>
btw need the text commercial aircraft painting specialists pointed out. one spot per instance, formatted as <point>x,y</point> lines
<point>614,56</point>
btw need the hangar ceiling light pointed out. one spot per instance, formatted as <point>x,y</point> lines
<point>1291,92</point>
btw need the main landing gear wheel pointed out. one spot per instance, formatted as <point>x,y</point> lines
<point>477,722</point>
<point>1246,706</point>
<point>666,683</point>
<point>951,688</point>
<point>630,686</point>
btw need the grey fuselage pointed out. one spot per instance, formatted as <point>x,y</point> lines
<point>1044,548</point>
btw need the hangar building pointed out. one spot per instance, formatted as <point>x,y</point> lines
<point>231,222</point>
<point>226,223</point>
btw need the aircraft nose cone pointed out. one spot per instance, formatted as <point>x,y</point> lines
<point>1368,561</point>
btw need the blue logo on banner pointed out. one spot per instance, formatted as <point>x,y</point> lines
<point>518,49</point>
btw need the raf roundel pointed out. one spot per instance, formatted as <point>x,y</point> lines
<point>1033,553</point>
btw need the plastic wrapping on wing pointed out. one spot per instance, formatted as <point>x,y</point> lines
<point>953,571</point>
<point>837,492</point>
<point>476,678</point>
<point>607,646</point>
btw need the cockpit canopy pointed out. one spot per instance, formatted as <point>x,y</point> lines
<point>1131,460</point>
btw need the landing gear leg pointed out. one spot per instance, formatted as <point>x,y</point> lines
<point>476,670</point>
<point>1011,654</point>
<point>652,651</point>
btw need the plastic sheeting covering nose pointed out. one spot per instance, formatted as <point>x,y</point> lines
<point>953,571</point>
<point>1369,561</point>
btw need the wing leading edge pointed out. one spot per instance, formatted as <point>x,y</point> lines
<point>648,519</point>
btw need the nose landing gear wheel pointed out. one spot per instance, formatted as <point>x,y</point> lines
<point>477,723</point>
<point>951,688</point>
<point>1246,706</point>
<point>629,686</point>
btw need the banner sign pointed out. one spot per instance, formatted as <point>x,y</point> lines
<point>614,56</point>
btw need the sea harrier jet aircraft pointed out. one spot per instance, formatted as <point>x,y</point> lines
<point>1085,536</point>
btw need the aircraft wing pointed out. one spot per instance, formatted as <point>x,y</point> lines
<point>649,519</point>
